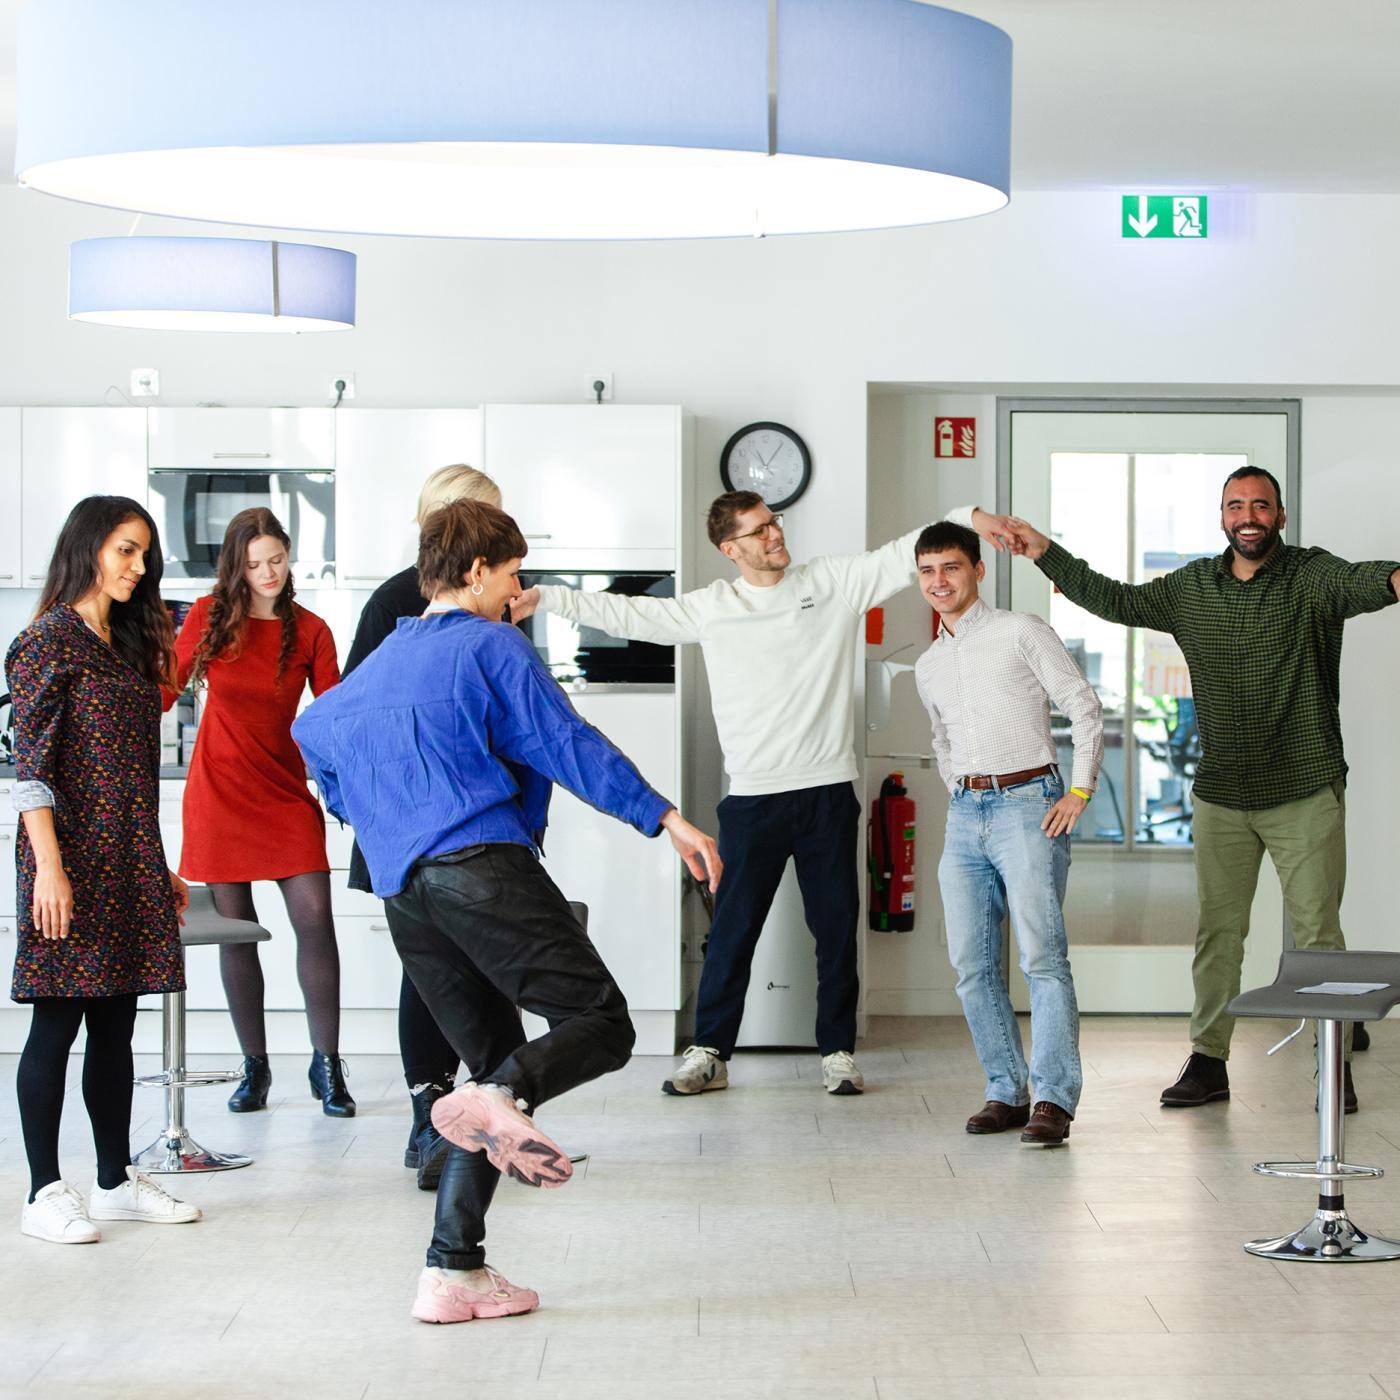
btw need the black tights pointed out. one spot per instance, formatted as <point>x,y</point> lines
<point>107,1071</point>
<point>427,1056</point>
<point>308,900</point>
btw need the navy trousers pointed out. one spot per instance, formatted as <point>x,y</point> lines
<point>817,828</point>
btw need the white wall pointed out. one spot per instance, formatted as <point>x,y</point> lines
<point>1288,291</point>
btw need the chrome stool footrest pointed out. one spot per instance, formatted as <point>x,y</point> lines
<point>1311,1171</point>
<point>189,1079</point>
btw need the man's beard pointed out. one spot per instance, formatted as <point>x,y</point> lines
<point>1260,548</point>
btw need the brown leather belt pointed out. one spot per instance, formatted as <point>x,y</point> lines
<point>1006,780</point>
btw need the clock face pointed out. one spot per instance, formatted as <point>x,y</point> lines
<point>769,459</point>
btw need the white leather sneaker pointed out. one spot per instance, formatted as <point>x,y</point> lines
<point>57,1214</point>
<point>139,1198</point>
<point>840,1075</point>
<point>701,1070</point>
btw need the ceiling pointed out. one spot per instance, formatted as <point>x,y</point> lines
<point>1265,95</point>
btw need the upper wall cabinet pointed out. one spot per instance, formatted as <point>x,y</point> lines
<point>590,484</point>
<point>9,500</point>
<point>382,457</point>
<point>66,454</point>
<point>229,438</point>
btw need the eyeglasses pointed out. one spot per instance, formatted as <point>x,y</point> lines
<point>773,526</point>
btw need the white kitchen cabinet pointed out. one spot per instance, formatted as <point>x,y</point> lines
<point>589,483</point>
<point>370,970</point>
<point>10,533</point>
<point>66,454</point>
<point>630,884</point>
<point>260,439</point>
<point>382,457</point>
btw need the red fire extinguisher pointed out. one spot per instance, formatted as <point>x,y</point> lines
<point>892,858</point>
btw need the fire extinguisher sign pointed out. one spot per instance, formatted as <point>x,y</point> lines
<point>954,437</point>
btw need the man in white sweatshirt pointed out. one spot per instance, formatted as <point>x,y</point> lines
<point>780,647</point>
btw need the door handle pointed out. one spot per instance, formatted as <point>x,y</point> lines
<point>37,578</point>
<point>242,456</point>
<point>5,577</point>
<point>539,537</point>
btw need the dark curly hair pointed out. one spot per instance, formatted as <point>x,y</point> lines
<point>142,634</point>
<point>232,599</point>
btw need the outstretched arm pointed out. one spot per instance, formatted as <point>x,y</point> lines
<point>666,621</point>
<point>532,722</point>
<point>1152,604</point>
<point>1348,590</point>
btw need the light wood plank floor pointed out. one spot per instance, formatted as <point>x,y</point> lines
<point>767,1241</point>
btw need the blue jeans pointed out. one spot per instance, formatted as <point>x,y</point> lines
<point>996,856</point>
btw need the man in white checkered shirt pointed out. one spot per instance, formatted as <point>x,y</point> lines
<point>988,682</point>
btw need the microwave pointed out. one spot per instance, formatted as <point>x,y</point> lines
<point>577,653</point>
<point>193,507</point>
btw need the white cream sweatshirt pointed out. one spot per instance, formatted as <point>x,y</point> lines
<point>781,660</point>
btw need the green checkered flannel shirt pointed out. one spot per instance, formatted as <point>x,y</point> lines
<point>1265,659</point>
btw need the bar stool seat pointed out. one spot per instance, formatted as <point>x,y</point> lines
<point>175,1150</point>
<point>1330,1237</point>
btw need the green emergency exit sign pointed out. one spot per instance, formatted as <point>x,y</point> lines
<point>1164,216</point>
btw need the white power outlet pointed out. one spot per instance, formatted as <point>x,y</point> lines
<point>349,387</point>
<point>606,380</point>
<point>145,384</point>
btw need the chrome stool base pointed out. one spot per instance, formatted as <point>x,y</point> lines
<point>176,1151</point>
<point>1330,1237</point>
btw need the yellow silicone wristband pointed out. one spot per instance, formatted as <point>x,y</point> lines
<point>1079,792</point>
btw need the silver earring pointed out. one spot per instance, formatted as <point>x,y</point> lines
<point>477,589</point>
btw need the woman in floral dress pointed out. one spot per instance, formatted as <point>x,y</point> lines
<point>98,910</point>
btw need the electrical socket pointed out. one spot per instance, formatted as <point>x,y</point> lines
<point>145,384</point>
<point>349,387</point>
<point>607,382</point>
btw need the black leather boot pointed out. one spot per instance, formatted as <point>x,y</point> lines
<point>327,1077</point>
<point>251,1094</point>
<point>427,1148</point>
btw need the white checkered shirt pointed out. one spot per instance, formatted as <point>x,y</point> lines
<point>988,689</point>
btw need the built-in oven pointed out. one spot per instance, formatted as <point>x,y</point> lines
<point>193,507</point>
<point>578,653</point>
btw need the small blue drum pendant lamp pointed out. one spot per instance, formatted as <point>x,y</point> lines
<point>211,284</point>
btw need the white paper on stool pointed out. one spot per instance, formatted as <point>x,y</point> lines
<point>1346,989</point>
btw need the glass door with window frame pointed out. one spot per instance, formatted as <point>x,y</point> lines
<point>1136,494</point>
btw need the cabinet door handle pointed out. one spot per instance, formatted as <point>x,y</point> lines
<point>241,456</point>
<point>379,928</point>
<point>6,577</point>
<point>367,578</point>
<point>539,537</point>
<point>37,578</point>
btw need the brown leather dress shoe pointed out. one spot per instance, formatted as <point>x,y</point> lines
<point>994,1117</point>
<point>1049,1126</point>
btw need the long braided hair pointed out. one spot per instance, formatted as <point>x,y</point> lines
<point>232,599</point>
<point>142,634</point>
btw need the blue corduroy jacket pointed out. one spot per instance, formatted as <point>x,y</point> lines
<point>451,733</point>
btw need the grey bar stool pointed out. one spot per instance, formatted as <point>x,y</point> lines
<point>175,1150</point>
<point>1330,1237</point>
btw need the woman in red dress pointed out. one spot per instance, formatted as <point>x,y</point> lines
<point>249,814</point>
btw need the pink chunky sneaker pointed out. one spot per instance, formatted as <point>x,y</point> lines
<point>484,1117</point>
<point>445,1298</point>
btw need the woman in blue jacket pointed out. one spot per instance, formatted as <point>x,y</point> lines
<point>440,750</point>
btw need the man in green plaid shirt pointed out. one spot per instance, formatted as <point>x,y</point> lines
<point>1261,629</point>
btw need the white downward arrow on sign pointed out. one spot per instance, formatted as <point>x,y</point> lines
<point>1142,224</point>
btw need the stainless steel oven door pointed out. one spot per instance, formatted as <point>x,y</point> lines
<point>193,509</point>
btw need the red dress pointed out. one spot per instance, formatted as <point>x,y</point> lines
<point>249,814</point>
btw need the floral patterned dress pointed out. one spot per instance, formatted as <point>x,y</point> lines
<point>87,726</point>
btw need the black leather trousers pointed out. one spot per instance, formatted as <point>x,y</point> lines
<point>484,931</point>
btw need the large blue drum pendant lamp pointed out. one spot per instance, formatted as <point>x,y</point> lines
<point>211,284</point>
<point>519,118</point>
